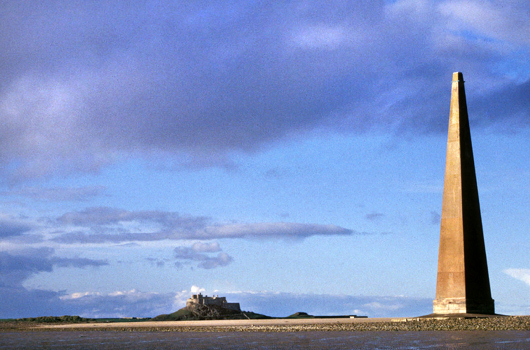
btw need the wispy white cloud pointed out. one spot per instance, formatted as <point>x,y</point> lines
<point>206,247</point>
<point>491,19</point>
<point>196,290</point>
<point>271,230</point>
<point>321,37</point>
<point>520,274</point>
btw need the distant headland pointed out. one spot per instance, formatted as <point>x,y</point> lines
<point>203,307</point>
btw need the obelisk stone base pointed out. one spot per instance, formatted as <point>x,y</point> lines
<point>462,306</point>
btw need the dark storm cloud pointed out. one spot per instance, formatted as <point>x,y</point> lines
<point>111,225</point>
<point>83,83</point>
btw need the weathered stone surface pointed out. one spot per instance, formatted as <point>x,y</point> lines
<point>462,281</point>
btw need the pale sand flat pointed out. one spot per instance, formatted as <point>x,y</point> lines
<point>226,323</point>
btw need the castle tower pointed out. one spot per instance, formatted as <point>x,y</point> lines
<point>462,284</point>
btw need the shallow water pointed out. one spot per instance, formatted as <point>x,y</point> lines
<point>258,340</point>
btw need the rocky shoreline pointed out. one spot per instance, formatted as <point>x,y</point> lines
<point>504,323</point>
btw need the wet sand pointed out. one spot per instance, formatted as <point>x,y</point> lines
<point>113,340</point>
<point>368,333</point>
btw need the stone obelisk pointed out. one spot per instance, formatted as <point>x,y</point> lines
<point>462,284</point>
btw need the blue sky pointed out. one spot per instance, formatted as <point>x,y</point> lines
<point>288,155</point>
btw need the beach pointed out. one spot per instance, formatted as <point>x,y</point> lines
<point>500,323</point>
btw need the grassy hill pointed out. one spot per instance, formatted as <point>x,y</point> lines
<point>210,312</point>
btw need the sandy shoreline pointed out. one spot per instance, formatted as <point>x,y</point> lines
<point>296,325</point>
<point>228,323</point>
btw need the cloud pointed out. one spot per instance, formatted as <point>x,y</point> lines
<point>157,261</point>
<point>204,247</point>
<point>321,37</point>
<point>435,218</point>
<point>84,85</point>
<point>490,19</point>
<point>496,109</point>
<point>11,228</point>
<point>201,252</point>
<point>16,267</point>
<point>102,216</point>
<point>102,225</point>
<point>99,238</point>
<point>520,274</point>
<point>119,304</point>
<point>58,194</point>
<point>271,230</point>
<point>222,259</point>
<point>196,290</point>
<point>374,216</point>
<point>284,304</point>
<point>19,230</point>
<point>20,302</point>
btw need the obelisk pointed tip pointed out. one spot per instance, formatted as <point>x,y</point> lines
<point>458,76</point>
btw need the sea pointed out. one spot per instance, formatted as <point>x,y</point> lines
<point>261,340</point>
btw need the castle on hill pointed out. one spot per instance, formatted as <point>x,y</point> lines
<point>199,299</point>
